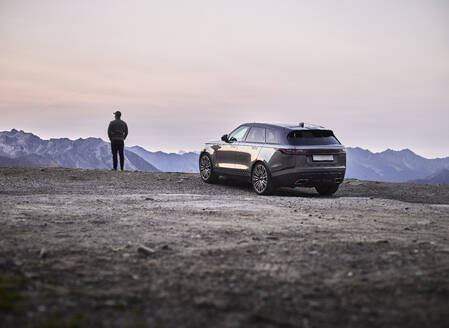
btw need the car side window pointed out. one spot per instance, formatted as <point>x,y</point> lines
<point>238,134</point>
<point>256,134</point>
<point>272,137</point>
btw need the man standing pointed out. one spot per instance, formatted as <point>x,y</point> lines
<point>117,132</point>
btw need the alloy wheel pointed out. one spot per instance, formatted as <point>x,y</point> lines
<point>260,178</point>
<point>205,167</point>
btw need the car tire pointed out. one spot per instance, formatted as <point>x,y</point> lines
<point>207,169</point>
<point>327,189</point>
<point>261,179</point>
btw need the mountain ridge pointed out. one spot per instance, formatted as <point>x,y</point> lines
<point>19,148</point>
<point>89,153</point>
<point>439,177</point>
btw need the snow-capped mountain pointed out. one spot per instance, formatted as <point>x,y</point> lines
<point>18,148</point>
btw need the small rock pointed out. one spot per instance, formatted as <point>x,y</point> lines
<point>149,198</point>
<point>350,274</point>
<point>393,253</point>
<point>31,275</point>
<point>382,241</point>
<point>43,253</point>
<point>286,296</point>
<point>255,238</point>
<point>17,262</point>
<point>145,250</point>
<point>272,237</point>
<point>166,248</point>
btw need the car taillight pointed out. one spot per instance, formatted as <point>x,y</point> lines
<point>293,151</point>
<point>311,151</point>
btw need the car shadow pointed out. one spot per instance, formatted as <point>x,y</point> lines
<point>282,192</point>
<point>297,192</point>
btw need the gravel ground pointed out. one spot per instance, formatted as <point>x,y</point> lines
<point>95,248</point>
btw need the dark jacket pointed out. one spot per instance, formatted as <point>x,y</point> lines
<point>117,130</point>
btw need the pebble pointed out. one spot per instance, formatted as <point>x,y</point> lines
<point>145,250</point>
<point>393,253</point>
<point>43,253</point>
<point>17,262</point>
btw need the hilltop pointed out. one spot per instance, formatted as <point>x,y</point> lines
<point>120,249</point>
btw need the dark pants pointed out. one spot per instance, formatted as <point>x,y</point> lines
<point>117,146</point>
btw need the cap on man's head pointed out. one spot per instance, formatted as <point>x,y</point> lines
<point>117,113</point>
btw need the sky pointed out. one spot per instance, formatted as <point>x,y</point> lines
<point>185,72</point>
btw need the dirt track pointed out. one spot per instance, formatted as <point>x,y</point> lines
<point>375,254</point>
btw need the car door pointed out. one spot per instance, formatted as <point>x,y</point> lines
<point>248,150</point>
<point>225,154</point>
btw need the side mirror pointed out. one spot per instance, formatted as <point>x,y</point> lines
<point>225,138</point>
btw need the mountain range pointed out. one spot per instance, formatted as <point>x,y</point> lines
<point>19,148</point>
<point>391,165</point>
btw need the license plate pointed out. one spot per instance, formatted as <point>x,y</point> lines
<point>323,157</point>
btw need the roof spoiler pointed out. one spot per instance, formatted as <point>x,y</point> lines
<point>308,125</point>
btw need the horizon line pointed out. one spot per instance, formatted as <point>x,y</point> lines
<point>196,151</point>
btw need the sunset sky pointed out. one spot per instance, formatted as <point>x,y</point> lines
<point>184,72</point>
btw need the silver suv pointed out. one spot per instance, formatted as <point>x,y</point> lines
<point>277,155</point>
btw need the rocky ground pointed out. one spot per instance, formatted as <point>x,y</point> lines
<point>95,248</point>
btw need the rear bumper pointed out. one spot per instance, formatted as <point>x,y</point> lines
<point>309,178</point>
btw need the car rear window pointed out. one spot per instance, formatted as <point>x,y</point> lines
<point>312,137</point>
<point>273,136</point>
<point>256,135</point>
